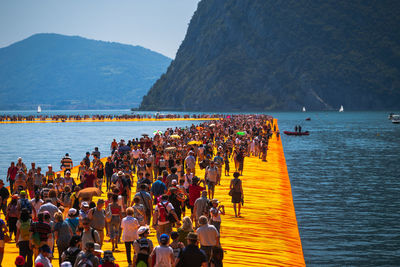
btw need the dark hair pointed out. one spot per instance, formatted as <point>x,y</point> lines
<point>75,239</point>
<point>174,235</point>
<point>236,174</point>
<point>136,199</point>
<point>173,170</point>
<point>115,197</point>
<point>24,215</point>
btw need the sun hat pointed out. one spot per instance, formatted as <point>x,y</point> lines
<point>142,230</point>
<point>19,260</point>
<point>174,181</point>
<point>214,201</point>
<point>71,212</point>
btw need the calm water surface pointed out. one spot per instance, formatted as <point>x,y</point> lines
<point>345,177</point>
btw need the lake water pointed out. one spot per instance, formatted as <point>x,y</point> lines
<point>344,176</point>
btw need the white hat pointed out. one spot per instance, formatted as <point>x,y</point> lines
<point>66,264</point>
<point>142,229</point>
<point>71,211</point>
<point>85,204</point>
<point>97,248</point>
<point>174,181</point>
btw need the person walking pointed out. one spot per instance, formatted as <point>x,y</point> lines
<point>97,217</point>
<point>161,221</point>
<point>62,233</point>
<point>191,255</point>
<point>72,251</point>
<point>4,195</point>
<point>201,207</point>
<point>236,191</point>
<point>143,247</point>
<point>129,226</point>
<point>23,237</point>
<point>208,236</point>
<point>163,253</point>
<point>114,225</point>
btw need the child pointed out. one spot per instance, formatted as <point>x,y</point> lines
<point>175,244</point>
<point>164,254</point>
<point>216,212</point>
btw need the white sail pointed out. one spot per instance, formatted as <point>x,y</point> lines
<point>39,109</point>
<point>304,109</point>
<point>341,109</point>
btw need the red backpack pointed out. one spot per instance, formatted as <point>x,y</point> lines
<point>162,211</point>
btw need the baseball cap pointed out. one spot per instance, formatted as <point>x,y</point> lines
<point>85,204</point>
<point>164,238</point>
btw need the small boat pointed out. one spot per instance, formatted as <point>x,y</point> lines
<point>304,109</point>
<point>308,119</point>
<point>39,109</point>
<point>396,119</point>
<point>341,109</point>
<point>297,133</point>
<point>390,117</point>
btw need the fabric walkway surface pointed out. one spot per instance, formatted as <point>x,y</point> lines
<point>266,234</point>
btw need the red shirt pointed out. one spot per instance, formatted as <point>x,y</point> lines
<point>89,180</point>
<point>194,193</point>
<point>12,172</point>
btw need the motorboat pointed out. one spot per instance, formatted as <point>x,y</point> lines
<point>304,109</point>
<point>297,133</point>
<point>341,109</point>
<point>396,119</point>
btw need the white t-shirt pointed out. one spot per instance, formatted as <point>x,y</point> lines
<point>36,204</point>
<point>129,226</point>
<point>163,256</point>
<point>188,180</point>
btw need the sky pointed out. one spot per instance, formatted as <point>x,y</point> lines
<point>159,25</point>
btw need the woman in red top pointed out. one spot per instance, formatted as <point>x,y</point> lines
<point>115,221</point>
<point>195,190</point>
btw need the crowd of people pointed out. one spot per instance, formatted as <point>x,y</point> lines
<point>14,118</point>
<point>150,183</point>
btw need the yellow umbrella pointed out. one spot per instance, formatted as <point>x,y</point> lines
<point>175,136</point>
<point>195,143</point>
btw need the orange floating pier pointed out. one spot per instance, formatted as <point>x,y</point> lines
<point>266,234</point>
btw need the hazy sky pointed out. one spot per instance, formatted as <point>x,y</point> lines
<point>159,25</point>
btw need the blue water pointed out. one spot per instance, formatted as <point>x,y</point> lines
<point>344,176</point>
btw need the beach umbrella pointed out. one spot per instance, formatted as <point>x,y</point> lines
<point>199,128</point>
<point>175,136</point>
<point>89,192</point>
<point>158,132</point>
<point>212,125</point>
<point>195,143</point>
<point>145,134</point>
<point>171,148</point>
<point>241,133</point>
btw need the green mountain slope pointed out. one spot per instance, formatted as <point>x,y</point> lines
<point>282,55</point>
<point>70,72</point>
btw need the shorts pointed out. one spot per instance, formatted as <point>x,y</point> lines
<point>211,185</point>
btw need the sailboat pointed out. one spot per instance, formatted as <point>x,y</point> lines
<point>341,108</point>
<point>304,109</point>
<point>39,109</point>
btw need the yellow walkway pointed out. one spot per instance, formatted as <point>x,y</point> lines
<point>265,235</point>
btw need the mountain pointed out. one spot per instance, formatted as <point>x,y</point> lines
<point>70,72</point>
<point>283,55</point>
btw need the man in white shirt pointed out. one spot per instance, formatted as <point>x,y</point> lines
<point>211,177</point>
<point>208,235</point>
<point>129,225</point>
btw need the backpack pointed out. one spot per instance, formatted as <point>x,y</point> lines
<point>85,261</point>
<point>164,214</point>
<point>25,204</point>
<point>24,230</point>
<point>93,236</point>
<point>71,256</point>
<point>144,244</point>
